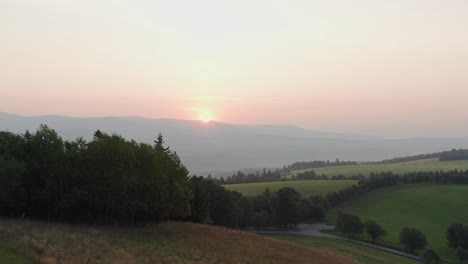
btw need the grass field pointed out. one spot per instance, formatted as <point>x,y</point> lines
<point>173,242</point>
<point>403,167</point>
<point>431,208</point>
<point>7,257</point>
<point>305,188</point>
<point>357,253</point>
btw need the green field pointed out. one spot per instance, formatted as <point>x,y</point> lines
<point>431,208</point>
<point>305,188</point>
<point>7,257</point>
<point>402,167</point>
<point>358,253</point>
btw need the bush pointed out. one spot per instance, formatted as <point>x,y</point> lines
<point>413,239</point>
<point>374,229</point>
<point>348,223</point>
<point>430,257</point>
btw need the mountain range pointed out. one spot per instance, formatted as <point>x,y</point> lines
<point>220,148</point>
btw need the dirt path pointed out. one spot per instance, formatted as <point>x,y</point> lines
<point>315,230</point>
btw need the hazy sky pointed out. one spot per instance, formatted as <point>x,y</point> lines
<point>392,68</point>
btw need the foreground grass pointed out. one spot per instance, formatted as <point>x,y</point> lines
<point>8,257</point>
<point>402,167</point>
<point>358,253</point>
<point>305,188</point>
<point>174,242</point>
<point>430,208</point>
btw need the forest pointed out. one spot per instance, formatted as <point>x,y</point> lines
<point>113,181</point>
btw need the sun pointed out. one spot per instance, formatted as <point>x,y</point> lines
<point>205,118</point>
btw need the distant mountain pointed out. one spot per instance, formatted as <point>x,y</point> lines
<point>215,146</point>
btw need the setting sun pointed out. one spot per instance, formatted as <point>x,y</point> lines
<point>205,118</point>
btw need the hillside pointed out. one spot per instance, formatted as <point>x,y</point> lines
<point>401,167</point>
<point>305,188</point>
<point>173,242</point>
<point>431,208</point>
<point>355,252</point>
<point>214,147</point>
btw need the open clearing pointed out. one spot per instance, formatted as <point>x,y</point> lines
<point>305,188</point>
<point>431,208</point>
<point>173,242</point>
<point>402,167</point>
<point>358,253</point>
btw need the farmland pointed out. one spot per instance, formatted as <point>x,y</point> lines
<point>357,253</point>
<point>305,188</point>
<point>430,208</point>
<point>402,167</point>
<point>171,242</point>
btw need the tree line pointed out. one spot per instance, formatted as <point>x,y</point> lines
<point>454,154</point>
<point>114,181</point>
<point>108,180</point>
<point>303,165</point>
<point>111,180</point>
<point>264,176</point>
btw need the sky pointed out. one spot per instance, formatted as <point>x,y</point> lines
<point>390,68</point>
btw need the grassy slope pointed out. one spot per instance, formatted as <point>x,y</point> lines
<point>358,253</point>
<point>431,208</point>
<point>403,167</point>
<point>167,243</point>
<point>306,188</point>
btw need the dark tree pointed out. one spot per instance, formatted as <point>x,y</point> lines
<point>374,230</point>
<point>349,224</point>
<point>430,257</point>
<point>457,235</point>
<point>412,238</point>
<point>462,254</point>
<point>284,204</point>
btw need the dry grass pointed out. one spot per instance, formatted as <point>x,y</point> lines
<point>174,242</point>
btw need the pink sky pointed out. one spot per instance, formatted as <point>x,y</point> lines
<point>391,68</point>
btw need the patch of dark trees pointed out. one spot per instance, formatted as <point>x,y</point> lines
<point>277,175</point>
<point>311,175</point>
<point>113,181</point>
<point>214,204</point>
<point>303,165</point>
<point>454,154</point>
<point>108,180</point>
<point>264,176</point>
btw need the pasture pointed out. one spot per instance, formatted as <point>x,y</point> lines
<point>430,208</point>
<point>305,188</point>
<point>357,253</point>
<point>402,167</point>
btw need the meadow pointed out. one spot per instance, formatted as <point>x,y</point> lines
<point>357,253</point>
<point>305,188</point>
<point>430,208</point>
<point>402,167</point>
<point>9,257</point>
<point>170,242</point>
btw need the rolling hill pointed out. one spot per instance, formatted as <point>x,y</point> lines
<point>430,208</point>
<point>400,167</point>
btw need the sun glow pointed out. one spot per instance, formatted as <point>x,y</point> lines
<point>205,117</point>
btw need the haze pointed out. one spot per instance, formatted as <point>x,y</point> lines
<point>388,68</point>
